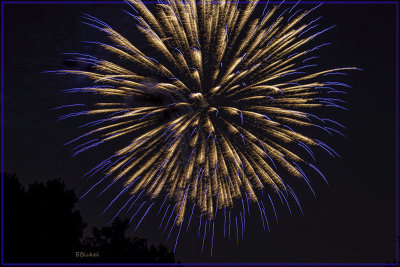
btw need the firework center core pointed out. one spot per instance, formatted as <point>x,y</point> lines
<point>198,100</point>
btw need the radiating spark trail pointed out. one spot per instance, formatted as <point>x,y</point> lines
<point>211,112</point>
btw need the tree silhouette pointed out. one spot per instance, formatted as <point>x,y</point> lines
<point>41,225</point>
<point>112,245</point>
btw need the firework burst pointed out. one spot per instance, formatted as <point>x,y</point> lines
<point>214,110</point>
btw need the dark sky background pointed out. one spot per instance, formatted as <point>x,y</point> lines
<point>352,220</point>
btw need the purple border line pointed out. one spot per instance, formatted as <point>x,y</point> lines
<point>2,131</point>
<point>155,2</point>
<point>199,264</point>
<point>203,264</point>
<point>397,131</point>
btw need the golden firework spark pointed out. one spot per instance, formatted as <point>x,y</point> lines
<point>232,87</point>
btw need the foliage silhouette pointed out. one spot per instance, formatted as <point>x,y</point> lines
<point>41,225</point>
<point>40,222</point>
<point>113,245</point>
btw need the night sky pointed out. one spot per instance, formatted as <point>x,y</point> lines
<point>351,220</point>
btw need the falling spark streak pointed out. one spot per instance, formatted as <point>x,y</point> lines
<point>212,239</point>
<point>162,204</point>
<point>273,208</point>
<point>137,211</point>
<point>261,214</point>
<point>320,173</point>
<point>172,213</point>
<point>214,70</point>
<point>198,235</point>
<point>67,106</point>
<point>237,231</point>
<point>122,208</point>
<point>287,203</point>
<point>241,219</point>
<point>204,236</point>
<point>176,240</point>
<point>143,217</point>
<point>93,187</point>
<point>134,202</point>
<point>229,227</point>
<point>190,218</point>
<point>124,190</point>
<point>265,215</point>
<point>166,210</point>
<point>296,199</point>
